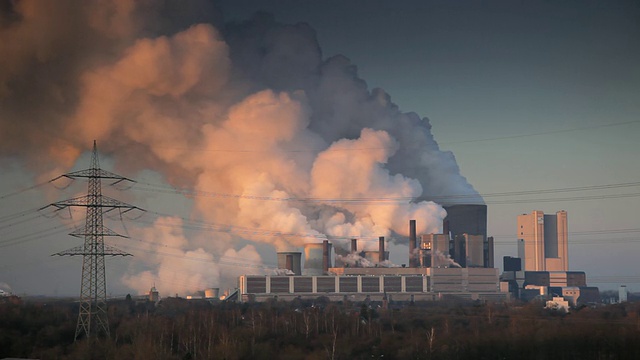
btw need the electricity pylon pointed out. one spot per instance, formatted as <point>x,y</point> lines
<point>92,319</point>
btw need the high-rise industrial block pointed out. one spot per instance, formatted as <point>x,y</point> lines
<point>543,241</point>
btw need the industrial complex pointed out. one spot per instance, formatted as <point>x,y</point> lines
<point>457,263</point>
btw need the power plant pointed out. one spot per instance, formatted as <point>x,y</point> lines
<point>360,275</point>
<point>456,263</point>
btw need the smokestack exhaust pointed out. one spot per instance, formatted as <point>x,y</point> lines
<point>354,246</point>
<point>381,249</point>
<point>412,243</point>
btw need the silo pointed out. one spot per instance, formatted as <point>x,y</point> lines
<point>296,257</point>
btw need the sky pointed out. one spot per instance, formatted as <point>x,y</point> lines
<point>490,75</point>
<point>322,100</point>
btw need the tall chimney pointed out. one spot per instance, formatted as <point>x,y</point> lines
<point>381,249</point>
<point>325,256</point>
<point>412,243</point>
<point>289,263</point>
<point>354,246</point>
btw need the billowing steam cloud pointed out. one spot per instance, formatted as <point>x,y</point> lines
<point>250,109</point>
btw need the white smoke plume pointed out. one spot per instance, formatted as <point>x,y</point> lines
<point>170,265</point>
<point>283,272</point>
<point>250,110</point>
<point>4,287</point>
<point>356,260</point>
<point>444,260</point>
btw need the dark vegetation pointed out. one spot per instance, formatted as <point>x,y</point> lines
<point>181,329</point>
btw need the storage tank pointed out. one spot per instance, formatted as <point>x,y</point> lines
<point>297,257</point>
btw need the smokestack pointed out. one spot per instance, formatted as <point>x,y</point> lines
<point>325,256</point>
<point>412,243</point>
<point>381,249</point>
<point>289,263</point>
<point>445,227</point>
<point>354,246</point>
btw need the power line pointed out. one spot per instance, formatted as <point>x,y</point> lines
<point>450,198</point>
<point>38,235</point>
<point>21,191</point>
<point>540,133</point>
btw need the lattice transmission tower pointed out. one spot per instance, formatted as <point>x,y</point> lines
<point>92,320</point>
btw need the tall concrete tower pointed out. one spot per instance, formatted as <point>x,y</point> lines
<point>542,241</point>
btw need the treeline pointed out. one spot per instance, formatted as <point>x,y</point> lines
<point>182,329</point>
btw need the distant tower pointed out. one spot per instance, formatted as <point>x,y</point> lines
<point>92,319</point>
<point>542,241</point>
<point>154,296</point>
<point>622,294</point>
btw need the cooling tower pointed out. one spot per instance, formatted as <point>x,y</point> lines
<point>472,220</point>
<point>295,258</point>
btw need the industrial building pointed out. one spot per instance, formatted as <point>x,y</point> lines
<point>542,241</point>
<point>360,275</point>
<point>541,268</point>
